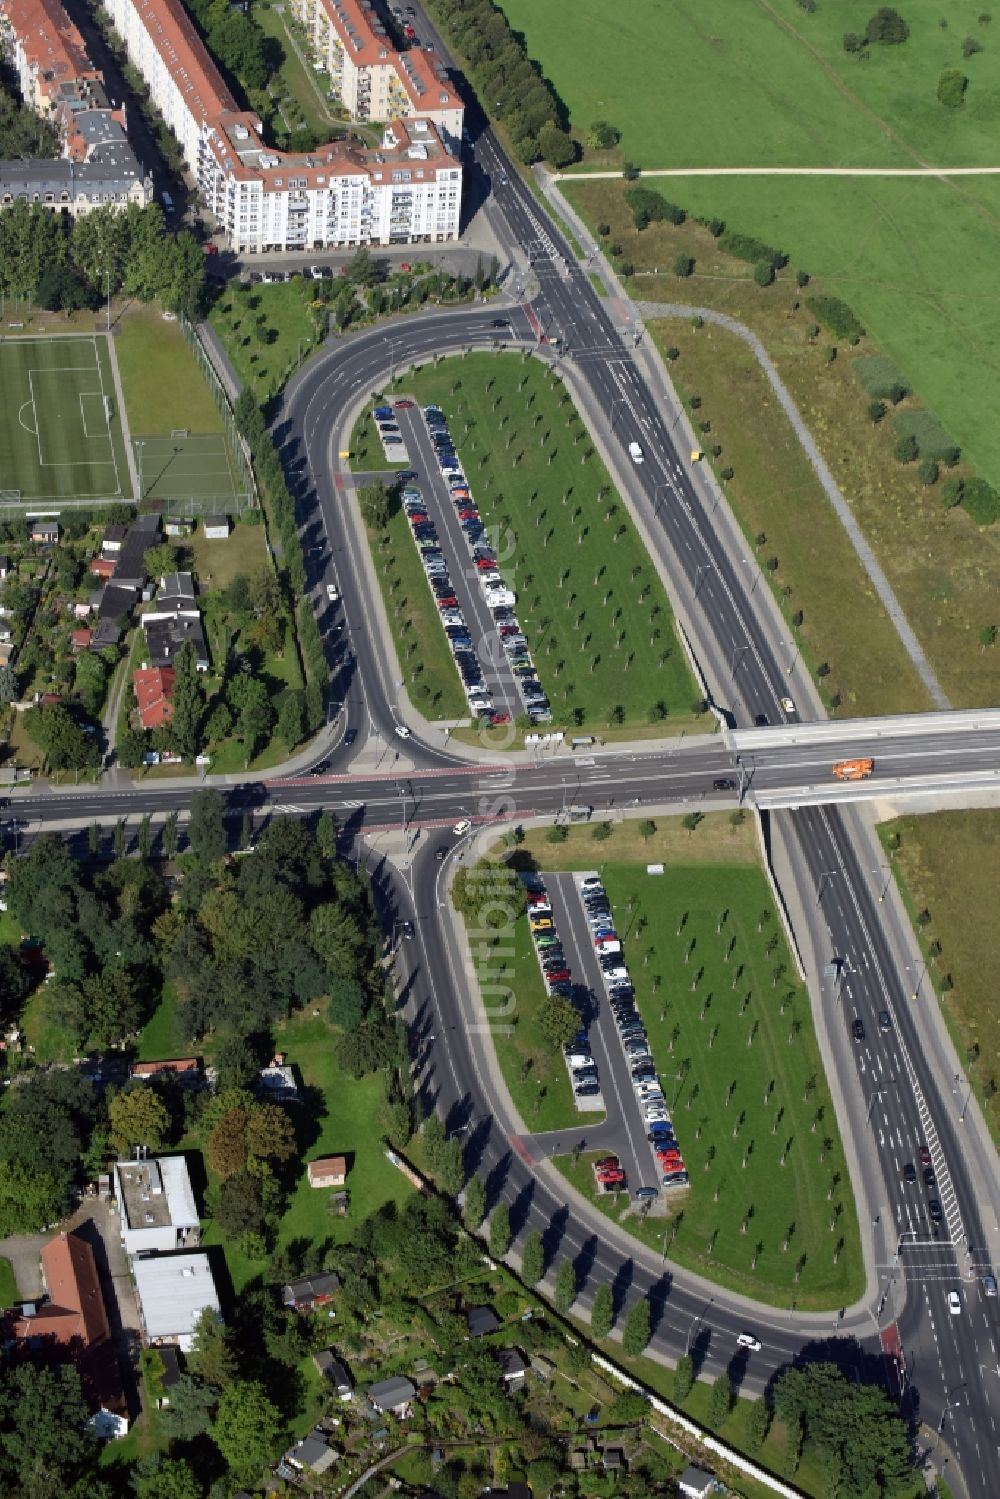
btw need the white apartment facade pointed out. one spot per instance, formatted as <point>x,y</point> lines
<point>409,190</point>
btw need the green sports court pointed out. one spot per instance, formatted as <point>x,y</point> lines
<point>60,428</point>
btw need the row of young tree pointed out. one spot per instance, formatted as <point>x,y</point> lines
<point>64,264</point>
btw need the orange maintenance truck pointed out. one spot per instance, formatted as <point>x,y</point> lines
<point>853,770</point>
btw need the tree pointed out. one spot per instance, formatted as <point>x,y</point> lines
<point>560,1020</point>
<point>374,502</point>
<point>602,137</point>
<point>160,559</point>
<point>565,1289</point>
<point>907,449</point>
<point>374,1044</point>
<point>291,719</point>
<point>763,272</point>
<point>347,1003</point>
<point>241,1205</point>
<point>499,1237</point>
<point>720,1401</point>
<point>856,1425</point>
<point>8,684</point>
<point>246,1429</point>
<point>160,1477</point>
<point>130,748</point>
<point>489,894</point>
<point>692,821</point>
<point>876,411</point>
<point>758,1425</point>
<point>212,1358</point>
<point>207,828</point>
<point>189,703</point>
<point>43,1431</point>
<point>450,1171</point>
<point>928,471</point>
<point>647,828</point>
<point>29,1199</point>
<point>951,88</point>
<point>269,1135</point>
<point>556,145</point>
<point>684,267</point>
<point>602,1312</point>
<point>474,1207</point>
<point>853,42</point>
<point>226,1147</point>
<point>190,1409</point>
<point>326,835</point>
<point>636,1332</point>
<point>138,1116</point>
<point>683,1378</point>
<point>987,637</point>
<point>533,1258</point>
<point>62,740</point>
<point>887,27</point>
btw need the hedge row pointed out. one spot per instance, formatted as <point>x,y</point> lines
<point>837,317</point>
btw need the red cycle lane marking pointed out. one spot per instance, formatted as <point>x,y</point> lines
<point>522,1150</point>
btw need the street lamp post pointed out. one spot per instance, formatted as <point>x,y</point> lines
<point>826,874</point>
<point>883,869</point>
<point>793,646</point>
<point>957,1089</point>
<point>920,969</point>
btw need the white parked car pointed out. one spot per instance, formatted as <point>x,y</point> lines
<point>331,593</point>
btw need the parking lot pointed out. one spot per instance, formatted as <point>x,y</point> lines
<point>630,1142</point>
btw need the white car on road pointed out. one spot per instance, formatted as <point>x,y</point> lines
<point>747,1340</point>
<point>954,1303</point>
<point>461,827</point>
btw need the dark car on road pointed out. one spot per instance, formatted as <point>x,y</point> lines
<point>930,1180</point>
<point>723,783</point>
<point>934,1210</point>
<point>909,1173</point>
<point>858,1029</point>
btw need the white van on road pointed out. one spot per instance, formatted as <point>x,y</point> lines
<point>635,452</point>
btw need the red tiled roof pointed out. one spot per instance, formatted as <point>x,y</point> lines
<point>154,686</point>
<point>172,1064</point>
<point>52,44</point>
<point>75,1312</point>
<point>186,58</point>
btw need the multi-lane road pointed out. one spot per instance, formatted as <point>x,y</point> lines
<point>894,1083</point>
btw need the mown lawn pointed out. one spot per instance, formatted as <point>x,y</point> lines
<point>163,387</point>
<point>8,1285</point>
<point>595,614</point>
<point>216,563</point>
<point>267,330</point>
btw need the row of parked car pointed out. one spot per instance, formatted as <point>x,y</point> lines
<point>632,1032</point>
<point>498,595</point>
<point>387,426</point>
<point>583,1073</point>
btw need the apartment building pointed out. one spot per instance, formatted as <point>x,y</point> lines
<point>372,80</point>
<point>338,195</point>
<point>58,80</point>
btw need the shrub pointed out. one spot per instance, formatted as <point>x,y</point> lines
<point>887,27</point>
<point>604,230</point>
<point>853,43</point>
<point>809,6</point>
<point>952,491</point>
<point>649,207</point>
<point>745,247</point>
<point>627,268</point>
<point>981,501</point>
<point>876,410</point>
<point>836,316</point>
<point>683,266</point>
<point>928,472</point>
<point>603,137</point>
<point>880,377</point>
<point>630,171</point>
<point>971,46</point>
<point>763,273</point>
<point>672,353</point>
<point>907,449</point>
<point>932,439</point>
<point>951,88</point>
<point>801,279</point>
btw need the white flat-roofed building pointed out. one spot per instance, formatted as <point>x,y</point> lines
<point>172,1291</point>
<point>156,1205</point>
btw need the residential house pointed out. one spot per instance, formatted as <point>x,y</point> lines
<point>174,621</point>
<point>172,1292</point>
<point>513,1367</point>
<point>216,527</point>
<point>143,533</point>
<point>78,639</point>
<point>310,1291</point>
<point>71,1326</point>
<point>106,633</point>
<point>6,633</point>
<point>181,1069</point>
<point>45,532</point>
<point>311,1455</point>
<point>481,1320</point>
<point>695,1483</point>
<point>113,540</point>
<point>102,567</point>
<point>393,1396</point>
<point>328,1171</point>
<point>154,695</point>
<point>613,1459</point>
<point>117,601</point>
<point>83,608</point>
<point>156,1205</point>
<point>277,1081</point>
<point>335,1373</point>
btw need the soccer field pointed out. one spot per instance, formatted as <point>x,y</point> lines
<point>60,428</point>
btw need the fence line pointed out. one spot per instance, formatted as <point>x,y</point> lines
<point>237,443</point>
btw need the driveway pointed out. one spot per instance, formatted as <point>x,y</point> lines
<point>23,1251</point>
